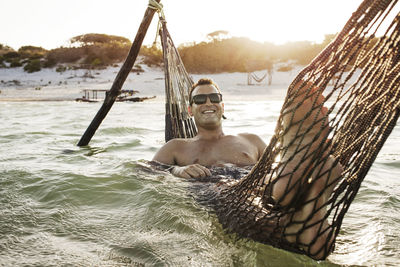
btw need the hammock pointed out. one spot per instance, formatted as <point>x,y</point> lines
<point>252,76</point>
<point>178,123</point>
<point>361,117</point>
<point>330,150</point>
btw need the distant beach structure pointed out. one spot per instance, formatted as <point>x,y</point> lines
<point>96,95</point>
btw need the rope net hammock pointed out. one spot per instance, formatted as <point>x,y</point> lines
<point>325,140</point>
<point>252,76</point>
<point>178,123</point>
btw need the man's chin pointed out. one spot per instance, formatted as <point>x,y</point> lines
<point>210,122</point>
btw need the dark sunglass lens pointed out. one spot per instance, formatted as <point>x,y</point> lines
<point>215,98</point>
<point>202,98</point>
<point>199,99</point>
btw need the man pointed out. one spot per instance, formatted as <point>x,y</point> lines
<point>210,147</point>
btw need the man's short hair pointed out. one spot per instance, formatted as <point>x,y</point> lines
<point>203,81</point>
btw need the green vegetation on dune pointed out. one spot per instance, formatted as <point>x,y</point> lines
<point>237,54</point>
<point>218,54</point>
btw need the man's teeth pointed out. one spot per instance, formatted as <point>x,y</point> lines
<point>209,111</point>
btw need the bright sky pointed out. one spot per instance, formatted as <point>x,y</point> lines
<point>50,23</point>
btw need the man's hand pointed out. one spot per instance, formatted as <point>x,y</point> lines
<point>191,171</point>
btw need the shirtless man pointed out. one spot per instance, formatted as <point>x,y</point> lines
<point>210,147</point>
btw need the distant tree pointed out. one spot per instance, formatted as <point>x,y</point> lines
<point>32,52</point>
<point>64,55</point>
<point>218,35</point>
<point>218,53</point>
<point>12,54</point>
<point>99,49</point>
<point>153,55</point>
<point>97,38</point>
<point>226,55</point>
<point>31,49</point>
<point>5,49</point>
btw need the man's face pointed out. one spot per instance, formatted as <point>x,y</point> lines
<point>208,114</point>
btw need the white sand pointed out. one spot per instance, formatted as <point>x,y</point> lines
<point>47,84</point>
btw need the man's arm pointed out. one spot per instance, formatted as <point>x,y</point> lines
<point>166,155</point>
<point>190,171</point>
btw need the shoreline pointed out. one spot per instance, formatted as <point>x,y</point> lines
<point>32,100</point>
<point>49,85</point>
<point>249,97</point>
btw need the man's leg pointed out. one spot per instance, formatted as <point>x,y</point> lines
<point>306,133</point>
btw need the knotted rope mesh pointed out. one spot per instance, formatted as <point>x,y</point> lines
<point>326,139</point>
<point>178,123</point>
<point>323,146</point>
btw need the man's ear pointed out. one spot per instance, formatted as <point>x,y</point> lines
<point>223,111</point>
<point>190,110</point>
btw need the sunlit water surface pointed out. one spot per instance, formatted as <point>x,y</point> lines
<point>102,206</point>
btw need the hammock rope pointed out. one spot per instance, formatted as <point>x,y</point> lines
<point>158,7</point>
<point>337,114</point>
<point>178,123</point>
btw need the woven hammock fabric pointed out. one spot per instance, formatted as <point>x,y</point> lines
<point>325,141</point>
<point>178,123</point>
<point>337,114</point>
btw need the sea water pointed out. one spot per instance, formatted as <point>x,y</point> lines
<point>102,205</point>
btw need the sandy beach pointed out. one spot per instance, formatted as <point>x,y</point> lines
<point>50,85</point>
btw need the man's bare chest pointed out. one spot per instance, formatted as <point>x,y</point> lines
<point>219,153</point>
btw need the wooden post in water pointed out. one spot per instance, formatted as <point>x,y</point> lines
<point>120,79</point>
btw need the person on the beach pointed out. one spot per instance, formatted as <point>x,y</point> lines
<point>210,147</point>
<point>190,158</point>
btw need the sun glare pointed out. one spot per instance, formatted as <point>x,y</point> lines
<point>260,20</point>
<point>264,21</point>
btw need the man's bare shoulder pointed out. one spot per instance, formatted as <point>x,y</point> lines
<point>250,136</point>
<point>167,153</point>
<point>254,140</point>
<point>177,143</point>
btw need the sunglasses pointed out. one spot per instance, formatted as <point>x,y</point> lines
<point>202,98</point>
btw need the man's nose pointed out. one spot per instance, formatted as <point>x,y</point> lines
<point>208,101</point>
